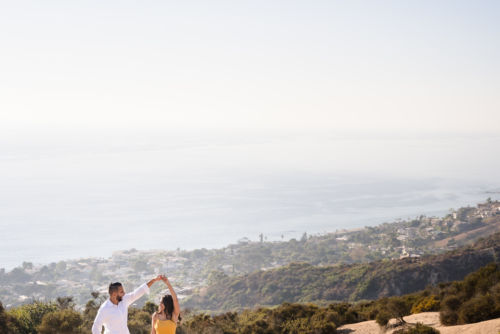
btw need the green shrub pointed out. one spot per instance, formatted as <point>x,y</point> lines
<point>477,309</point>
<point>383,318</point>
<point>451,303</point>
<point>426,304</point>
<point>323,322</point>
<point>8,324</point>
<point>150,307</point>
<point>372,314</point>
<point>418,329</point>
<point>67,321</point>
<point>139,322</point>
<point>480,281</point>
<point>448,317</point>
<point>29,316</point>
<point>398,307</point>
<point>495,293</point>
<point>476,298</point>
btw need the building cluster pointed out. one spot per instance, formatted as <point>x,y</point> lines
<point>190,270</point>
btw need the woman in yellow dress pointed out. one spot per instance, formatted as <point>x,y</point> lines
<point>164,321</point>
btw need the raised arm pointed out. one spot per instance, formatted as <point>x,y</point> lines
<point>131,297</point>
<point>177,308</point>
<point>156,279</point>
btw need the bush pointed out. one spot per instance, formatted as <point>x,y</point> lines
<point>495,293</point>
<point>451,303</point>
<point>383,318</point>
<point>481,280</point>
<point>3,319</point>
<point>30,316</point>
<point>8,324</point>
<point>476,298</point>
<point>418,329</point>
<point>66,321</point>
<point>477,309</point>
<point>426,304</point>
<point>139,322</point>
<point>150,307</point>
<point>398,307</point>
<point>448,317</point>
<point>323,322</point>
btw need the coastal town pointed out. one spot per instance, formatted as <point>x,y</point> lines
<point>192,270</point>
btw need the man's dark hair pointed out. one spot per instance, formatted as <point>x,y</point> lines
<point>113,287</point>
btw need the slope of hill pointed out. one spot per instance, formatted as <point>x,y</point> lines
<point>301,282</point>
<point>475,299</point>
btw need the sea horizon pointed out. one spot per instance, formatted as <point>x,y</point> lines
<point>431,204</point>
<point>71,197</point>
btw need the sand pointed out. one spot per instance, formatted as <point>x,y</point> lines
<point>427,318</point>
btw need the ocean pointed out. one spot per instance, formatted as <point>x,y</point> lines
<point>65,196</point>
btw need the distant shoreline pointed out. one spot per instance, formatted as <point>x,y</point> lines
<point>291,235</point>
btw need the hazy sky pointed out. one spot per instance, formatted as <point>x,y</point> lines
<point>224,119</point>
<point>378,66</point>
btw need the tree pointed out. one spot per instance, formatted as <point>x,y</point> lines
<point>399,308</point>
<point>396,307</point>
<point>383,318</point>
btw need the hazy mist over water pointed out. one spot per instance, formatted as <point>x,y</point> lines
<point>70,195</point>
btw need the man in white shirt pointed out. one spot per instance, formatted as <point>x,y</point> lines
<point>113,313</point>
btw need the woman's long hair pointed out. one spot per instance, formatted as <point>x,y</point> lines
<point>168,303</point>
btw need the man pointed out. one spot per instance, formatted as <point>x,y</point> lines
<point>113,313</point>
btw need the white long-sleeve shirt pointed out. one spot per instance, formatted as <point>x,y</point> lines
<point>114,317</point>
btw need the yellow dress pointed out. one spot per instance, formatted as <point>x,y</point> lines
<point>165,326</point>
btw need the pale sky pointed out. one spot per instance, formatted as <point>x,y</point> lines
<point>223,119</point>
<point>378,66</point>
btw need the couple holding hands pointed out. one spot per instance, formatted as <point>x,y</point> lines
<point>113,313</point>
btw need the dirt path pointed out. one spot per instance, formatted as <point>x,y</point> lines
<point>427,318</point>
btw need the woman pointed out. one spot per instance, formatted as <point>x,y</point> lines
<point>165,320</point>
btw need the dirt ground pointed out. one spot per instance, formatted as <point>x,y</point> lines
<point>427,318</point>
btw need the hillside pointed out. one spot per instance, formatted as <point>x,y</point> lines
<point>476,299</point>
<point>301,282</point>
